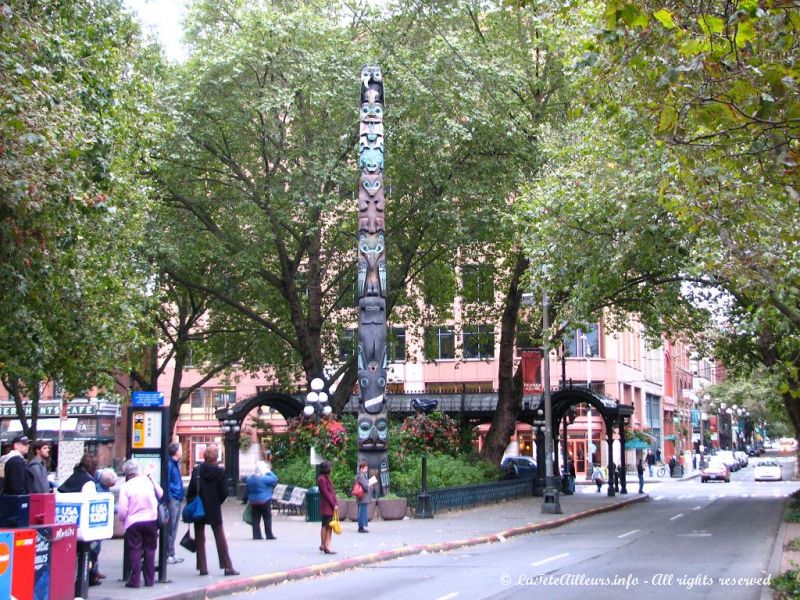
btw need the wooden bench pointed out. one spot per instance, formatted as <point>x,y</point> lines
<point>289,499</point>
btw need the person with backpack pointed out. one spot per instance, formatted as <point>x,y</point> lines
<point>597,477</point>
<point>37,468</point>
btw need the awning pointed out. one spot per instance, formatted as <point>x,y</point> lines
<point>636,444</point>
<point>670,438</point>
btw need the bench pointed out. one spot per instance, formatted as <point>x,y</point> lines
<point>289,498</point>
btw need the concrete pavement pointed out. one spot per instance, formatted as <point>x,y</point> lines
<point>295,554</point>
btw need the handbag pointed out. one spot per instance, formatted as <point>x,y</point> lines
<point>358,490</point>
<point>194,510</point>
<point>188,542</point>
<point>247,515</point>
<point>162,510</point>
<point>336,526</point>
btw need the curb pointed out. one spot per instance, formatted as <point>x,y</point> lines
<point>774,565</point>
<point>249,584</point>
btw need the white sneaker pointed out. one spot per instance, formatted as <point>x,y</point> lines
<point>173,560</point>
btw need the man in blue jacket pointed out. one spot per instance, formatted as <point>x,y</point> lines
<point>175,495</point>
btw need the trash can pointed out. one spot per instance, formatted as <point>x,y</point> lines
<point>312,505</point>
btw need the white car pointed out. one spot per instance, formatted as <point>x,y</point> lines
<point>767,469</point>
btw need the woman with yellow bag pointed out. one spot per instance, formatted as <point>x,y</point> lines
<point>328,506</point>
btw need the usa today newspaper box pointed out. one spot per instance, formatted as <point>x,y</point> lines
<point>93,514</point>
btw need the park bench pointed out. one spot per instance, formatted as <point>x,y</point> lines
<point>289,498</point>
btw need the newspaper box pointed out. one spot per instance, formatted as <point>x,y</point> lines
<point>42,509</point>
<point>6,559</point>
<point>93,514</point>
<point>22,567</point>
<point>14,510</point>
<point>56,562</point>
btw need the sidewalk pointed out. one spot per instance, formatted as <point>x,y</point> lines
<point>295,554</point>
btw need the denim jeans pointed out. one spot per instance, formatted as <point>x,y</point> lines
<point>174,522</point>
<point>363,521</point>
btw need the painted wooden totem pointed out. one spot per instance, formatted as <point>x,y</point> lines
<point>373,424</point>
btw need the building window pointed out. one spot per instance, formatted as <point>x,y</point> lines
<point>478,341</point>
<point>439,284</point>
<point>477,284</point>
<point>222,398</point>
<point>198,398</point>
<point>397,344</point>
<point>348,344</point>
<point>440,343</point>
<point>574,345</point>
<point>653,417</point>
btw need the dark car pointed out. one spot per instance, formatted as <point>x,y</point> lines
<point>519,466</point>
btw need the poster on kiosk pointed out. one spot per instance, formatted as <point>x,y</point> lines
<point>148,439</point>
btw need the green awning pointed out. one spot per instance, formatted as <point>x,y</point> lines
<point>670,438</point>
<point>636,444</point>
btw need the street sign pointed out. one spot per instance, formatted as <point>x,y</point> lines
<point>147,398</point>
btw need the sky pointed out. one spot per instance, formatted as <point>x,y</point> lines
<point>162,18</point>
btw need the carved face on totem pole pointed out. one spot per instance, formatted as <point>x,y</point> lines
<point>373,437</point>
<point>371,84</point>
<point>370,204</point>
<point>371,265</point>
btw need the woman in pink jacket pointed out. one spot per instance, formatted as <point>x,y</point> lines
<point>138,509</point>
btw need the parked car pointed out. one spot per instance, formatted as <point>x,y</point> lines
<point>742,457</point>
<point>729,459</point>
<point>716,469</point>
<point>768,469</point>
<point>519,466</point>
<point>787,445</point>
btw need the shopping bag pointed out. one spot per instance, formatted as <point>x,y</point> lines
<point>336,526</point>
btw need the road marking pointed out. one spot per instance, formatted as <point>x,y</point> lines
<point>697,508</point>
<point>700,533</point>
<point>448,596</point>
<point>631,532</point>
<point>551,559</point>
<point>658,498</point>
<point>678,516</point>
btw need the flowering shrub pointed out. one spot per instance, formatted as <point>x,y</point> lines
<point>329,437</point>
<point>432,434</point>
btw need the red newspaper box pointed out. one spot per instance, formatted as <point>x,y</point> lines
<point>22,567</point>
<point>42,509</point>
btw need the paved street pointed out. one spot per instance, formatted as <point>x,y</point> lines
<point>683,529</point>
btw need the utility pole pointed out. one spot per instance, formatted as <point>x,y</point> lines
<point>551,503</point>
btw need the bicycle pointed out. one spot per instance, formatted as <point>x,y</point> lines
<point>661,469</point>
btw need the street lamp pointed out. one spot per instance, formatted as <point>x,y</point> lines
<point>587,353</point>
<point>551,503</point>
<point>317,400</point>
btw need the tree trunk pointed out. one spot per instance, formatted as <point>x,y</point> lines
<point>509,394</point>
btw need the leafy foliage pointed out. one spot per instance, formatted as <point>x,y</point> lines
<point>435,433</point>
<point>443,471</point>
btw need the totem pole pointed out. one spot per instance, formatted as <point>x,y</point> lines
<point>373,424</point>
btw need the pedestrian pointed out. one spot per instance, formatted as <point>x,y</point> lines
<point>175,495</point>
<point>83,476</point>
<point>208,482</point>
<point>16,471</point>
<point>138,510</point>
<point>38,468</point>
<point>650,459</point>
<point>597,477</point>
<point>617,477</point>
<point>106,479</point>
<point>259,494</point>
<point>672,463</point>
<point>694,461</point>
<point>362,480</point>
<point>658,455</point>
<point>327,505</point>
<point>640,473</point>
<point>268,458</point>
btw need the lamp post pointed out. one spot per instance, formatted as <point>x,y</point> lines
<point>231,429</point>
<point>551,503</point>
<point>587,353</point>
<point>317,400</point>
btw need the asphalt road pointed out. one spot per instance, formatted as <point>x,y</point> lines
<point>690,540</point>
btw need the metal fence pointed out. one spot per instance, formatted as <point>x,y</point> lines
<point>477,493</point>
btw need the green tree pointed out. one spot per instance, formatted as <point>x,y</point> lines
<point>75,122</point>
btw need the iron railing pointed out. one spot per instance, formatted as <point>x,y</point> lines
<point>477,493</point>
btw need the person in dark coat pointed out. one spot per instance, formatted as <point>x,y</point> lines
<point>83,476</point>
<point>327,505</point>
<point>208,481</point>
<point>16,470</point>
<point>640,473</point>
<point>259,494</point>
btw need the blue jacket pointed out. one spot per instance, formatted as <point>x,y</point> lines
<point>259,488</point>
<point>175,488</point>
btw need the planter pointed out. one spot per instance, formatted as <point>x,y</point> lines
<point>392,509</point>
<point>344,508</point>
<point>353,508</point>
